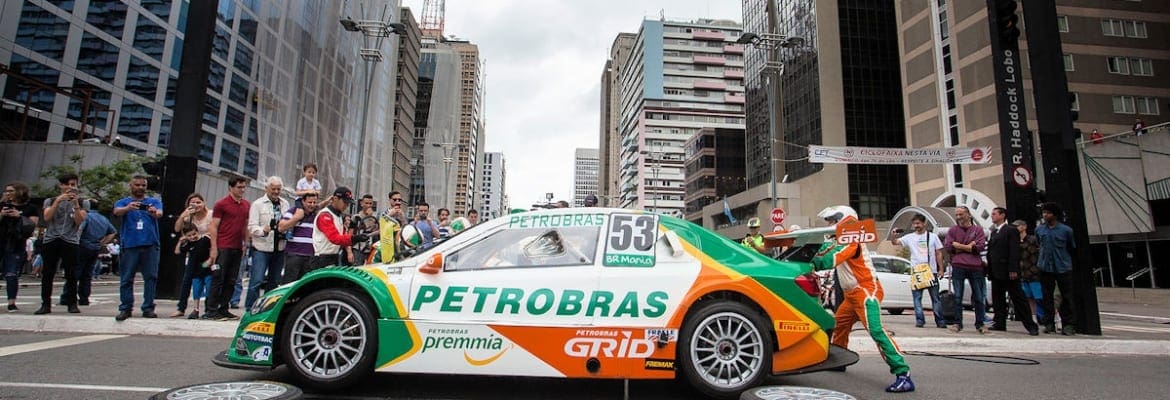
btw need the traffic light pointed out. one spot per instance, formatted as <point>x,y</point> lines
<point>1007,21</point>
<point>155,172</point>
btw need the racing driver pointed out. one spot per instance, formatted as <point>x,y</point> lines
<point>863,295</point>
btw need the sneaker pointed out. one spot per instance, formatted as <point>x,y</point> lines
<point>1034,332</point>
<point>1050,328</point>
<point>221,317</point>
<point>12,308</point>
<point>1068,330</point>
<point>73,309</point>
<point>901,384</point>
<point>45,309</point>
<point>83,302</point>
<point>177,314</point>
<point>235,306</point>
<point>149,314</point>
<point>229,315</point>
<point>954,329</point>
<point>210,316</point>
<point>919,325</point>
<point>122,316</point>
<point>984,330</point>
<point>193,315</point>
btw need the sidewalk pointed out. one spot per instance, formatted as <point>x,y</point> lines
<point>1131,325</point>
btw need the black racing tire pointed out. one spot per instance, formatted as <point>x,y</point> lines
<point>896,311</point>
<point>259,390</point>
<point>329,340</point>
<point>725,347</point>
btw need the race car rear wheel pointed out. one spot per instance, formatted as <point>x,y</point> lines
<point>329,340</point>
<point>725,348</point>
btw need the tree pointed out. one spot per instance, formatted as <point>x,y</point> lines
<point>102,185</point>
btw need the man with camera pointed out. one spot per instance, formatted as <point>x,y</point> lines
<point>927,259</point>
<point>329,237</point>
<point>140,243</point>
<point>63,217</point>
<point>267,242</point>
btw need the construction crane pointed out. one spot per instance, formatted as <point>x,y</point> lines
<point>432,18</point>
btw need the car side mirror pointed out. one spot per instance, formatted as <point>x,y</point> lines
<point>676,246</point>
<point>432,265</point>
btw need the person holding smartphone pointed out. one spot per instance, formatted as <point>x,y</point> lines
<point>18,220</point>
<point>196,213</point>
<point>63,217</point>
<point>140,247</point>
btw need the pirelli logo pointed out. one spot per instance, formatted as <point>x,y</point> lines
<point>793,326</point>
<point>658,364</point>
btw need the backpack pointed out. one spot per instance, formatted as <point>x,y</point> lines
<point>946,302</point>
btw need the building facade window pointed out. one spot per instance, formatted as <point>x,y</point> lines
<point>1141,66</point>
<point>1062,23</point>
<point>1147,105</point>
<point>1118,65</point>
<point>1076,101</point>
<point>1135,29</point>
<point>1112,27</point>
<point>1123,105</point>
<point>1068,63</point>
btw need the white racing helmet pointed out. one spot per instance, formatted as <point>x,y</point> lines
<point>836,214</point>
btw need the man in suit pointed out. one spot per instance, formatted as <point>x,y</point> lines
<point>1003,258</point>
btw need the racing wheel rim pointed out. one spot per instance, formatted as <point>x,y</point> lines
<point>727,350</point>
<point>328,339</point>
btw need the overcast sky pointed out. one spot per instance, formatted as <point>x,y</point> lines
<point>544,63</point>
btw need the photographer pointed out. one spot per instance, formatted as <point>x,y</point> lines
<point>18,220</point>
<point>267,242</point>
<point>140,246</point>
<point>63,217</point>
<point>364,222</point>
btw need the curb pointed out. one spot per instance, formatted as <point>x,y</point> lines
<point>1087,345</point>
<point>132,326</point>
<point>1139,318</point>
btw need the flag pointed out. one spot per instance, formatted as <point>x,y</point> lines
<point>727,211</point>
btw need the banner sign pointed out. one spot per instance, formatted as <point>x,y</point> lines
<point>896,156</point>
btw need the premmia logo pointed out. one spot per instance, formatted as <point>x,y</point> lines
<point>469,343</point>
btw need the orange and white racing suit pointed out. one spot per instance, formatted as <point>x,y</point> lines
<point>863,296</point>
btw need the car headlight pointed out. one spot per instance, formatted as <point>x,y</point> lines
<point>264,304</point>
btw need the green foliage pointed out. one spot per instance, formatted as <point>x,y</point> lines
<point>102,185</point>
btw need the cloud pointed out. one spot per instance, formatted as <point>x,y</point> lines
<point>543,70</point>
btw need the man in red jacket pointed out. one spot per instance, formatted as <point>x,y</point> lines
<point>329,235</point>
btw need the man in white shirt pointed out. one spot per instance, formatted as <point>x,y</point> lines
<point>267,243</point>
<point>925,249</point>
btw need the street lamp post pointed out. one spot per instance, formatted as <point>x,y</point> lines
<point>771,71</point>
<point>373,32</point>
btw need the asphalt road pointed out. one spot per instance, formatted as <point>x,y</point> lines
<point>64,366</point>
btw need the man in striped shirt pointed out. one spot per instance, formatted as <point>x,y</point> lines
<point>300,244</point>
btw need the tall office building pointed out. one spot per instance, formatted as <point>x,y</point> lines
<point>405,97</point>
<point>286,87</point>
<point>471,124</point>
<point>680,77</point>
<point>715,169</point>
<point>609,151</point>
<point>437,121</point>
<point>585,168</point>
<point>493,180</point>
<point>841,88</point>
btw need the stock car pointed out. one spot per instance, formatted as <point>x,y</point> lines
<point>573,293</point>
<point>892,271</point>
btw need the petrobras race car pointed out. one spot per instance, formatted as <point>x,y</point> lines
<point>574,293</point>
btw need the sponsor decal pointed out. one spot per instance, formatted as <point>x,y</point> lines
<point>567,302</point>
<point>656,335</point>
<point>793,326</point>
<point>458,339</point>
<point>616,346</point>
<point>630,240</point>
<point>264,353</point>
<point>256,338</point>
<point>266,328</point>
<point>659,364</point>
<point>556,221</point>
<point>854,231</point>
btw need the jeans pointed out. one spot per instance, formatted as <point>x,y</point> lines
<point>978,294</point>
<point>245,261</point>
<point>65,253</point>
<point>919,317</point>
<point>86,258</point>
<point>1068,311</point>
<point>265,274</point>
<point>294,267</point>
<point>11,261</point>
<point>142,259</point>
<point>199,286</point>
<point>185,286</point>
<point>223,280</point>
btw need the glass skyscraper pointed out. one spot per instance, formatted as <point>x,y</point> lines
<point>286,83</point>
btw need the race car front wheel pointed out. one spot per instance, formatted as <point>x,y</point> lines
<point>725,348</point>
<point>329,341</point>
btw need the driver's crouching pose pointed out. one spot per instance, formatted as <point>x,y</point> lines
<point>863,296</point>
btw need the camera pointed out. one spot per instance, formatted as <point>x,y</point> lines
<point>143,206</point>
<point>899,231</point>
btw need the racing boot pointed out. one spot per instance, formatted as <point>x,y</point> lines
<point>901,384</point>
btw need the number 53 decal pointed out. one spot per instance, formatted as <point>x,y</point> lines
<point>630,240</point>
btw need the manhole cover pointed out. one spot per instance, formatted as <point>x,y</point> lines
<point>256,390</point>
<point>793,393</point>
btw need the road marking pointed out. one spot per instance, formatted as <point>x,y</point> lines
<point>1128,328</point>
<point>52,344</point>
<point>1151,318</point>
<point>82,387</point>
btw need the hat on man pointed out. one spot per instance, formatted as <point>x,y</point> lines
<point>753,222</point>
<point>590,201</point>
<point>344,193</point>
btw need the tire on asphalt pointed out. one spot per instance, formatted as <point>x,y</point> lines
<point>343,318</point>
<point>259,390</point>
<point>792,393</point>
<point>701,338</point>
